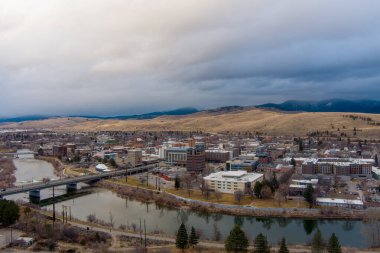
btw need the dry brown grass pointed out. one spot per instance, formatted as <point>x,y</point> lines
<point>265,121</point>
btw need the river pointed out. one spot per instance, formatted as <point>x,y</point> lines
<point>104,203</point>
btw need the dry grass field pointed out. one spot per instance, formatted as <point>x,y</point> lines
<point>252,120</point>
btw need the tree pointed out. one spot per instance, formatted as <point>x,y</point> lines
<point>257,189</point>
<point>188,181</point>
<point>317,244</point>
<point>283,247</point>
<point>236,241</point>
<point>376,161</point>
<point>261,244</point>
<point>193,237</point>
<point>334,245</point>
<point>293,162</point>
<point>181,241</point>
<point>218,195</point>
<point>274,183</point>
<point>9,212</point>
<point>177,182</point>
<point>238,196</point>
<point>266,192</point>
<point>309,195</point>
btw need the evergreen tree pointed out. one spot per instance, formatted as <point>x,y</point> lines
<point>181,239</point>
<point>261,244</point>
<point>293,162</point>
<point>257,189</point>
<point>283,247</point>
<point>193,238</point>
<point>177,182</point>
<point>309,195</point>
<point>9,212</point>
<point>317,244</point>
<point>237,241</point>
<point>334,245</point>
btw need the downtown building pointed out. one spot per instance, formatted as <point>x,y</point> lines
<point>232,181</point>
<point>355,168</point>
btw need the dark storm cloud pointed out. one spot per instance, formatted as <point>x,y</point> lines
<point>128,56</point>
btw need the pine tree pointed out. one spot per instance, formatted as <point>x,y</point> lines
<point>283,247</point>
<point>177,183</point>
<point>309,195</point>
<point>237,241</point>
<point>181,240</point>
<point>317,244</point>
<point>261,244</point>
<point>193,238</point>
<point>293,162</point>
<point>334,245</point>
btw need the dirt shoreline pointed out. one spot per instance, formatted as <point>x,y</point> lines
<point>170,201</point>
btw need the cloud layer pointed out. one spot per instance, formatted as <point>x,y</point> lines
<point>131,56</point>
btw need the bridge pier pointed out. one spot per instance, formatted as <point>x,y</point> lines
<point>34,196</point>
<point>71,187</point>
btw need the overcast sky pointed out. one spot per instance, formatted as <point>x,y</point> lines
<point>110,57</point>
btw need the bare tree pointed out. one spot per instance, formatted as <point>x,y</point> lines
<point>218,195</point>
<point>266,192</point>
<point>238,196</point>
<point>188,182</point>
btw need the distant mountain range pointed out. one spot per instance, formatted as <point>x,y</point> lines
<point>152,115</point>
<point>330,105</point>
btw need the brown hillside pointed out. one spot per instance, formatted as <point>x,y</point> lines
<point>264,121</point>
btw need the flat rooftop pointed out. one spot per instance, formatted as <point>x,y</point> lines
<point>234,176</point>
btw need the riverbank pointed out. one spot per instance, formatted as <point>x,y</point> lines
<point>171,200</point>
<point>7,171</point>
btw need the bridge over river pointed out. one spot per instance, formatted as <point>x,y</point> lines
<point>71,182</point>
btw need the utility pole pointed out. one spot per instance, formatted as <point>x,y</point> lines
<point>66,213</point>
<point>126,174</point>
<point>70,212</point>
<point>141,239</point>
<point>63,214</point>
<point>145,232</point>
<point>53,206</point>
<point>147,177</point>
